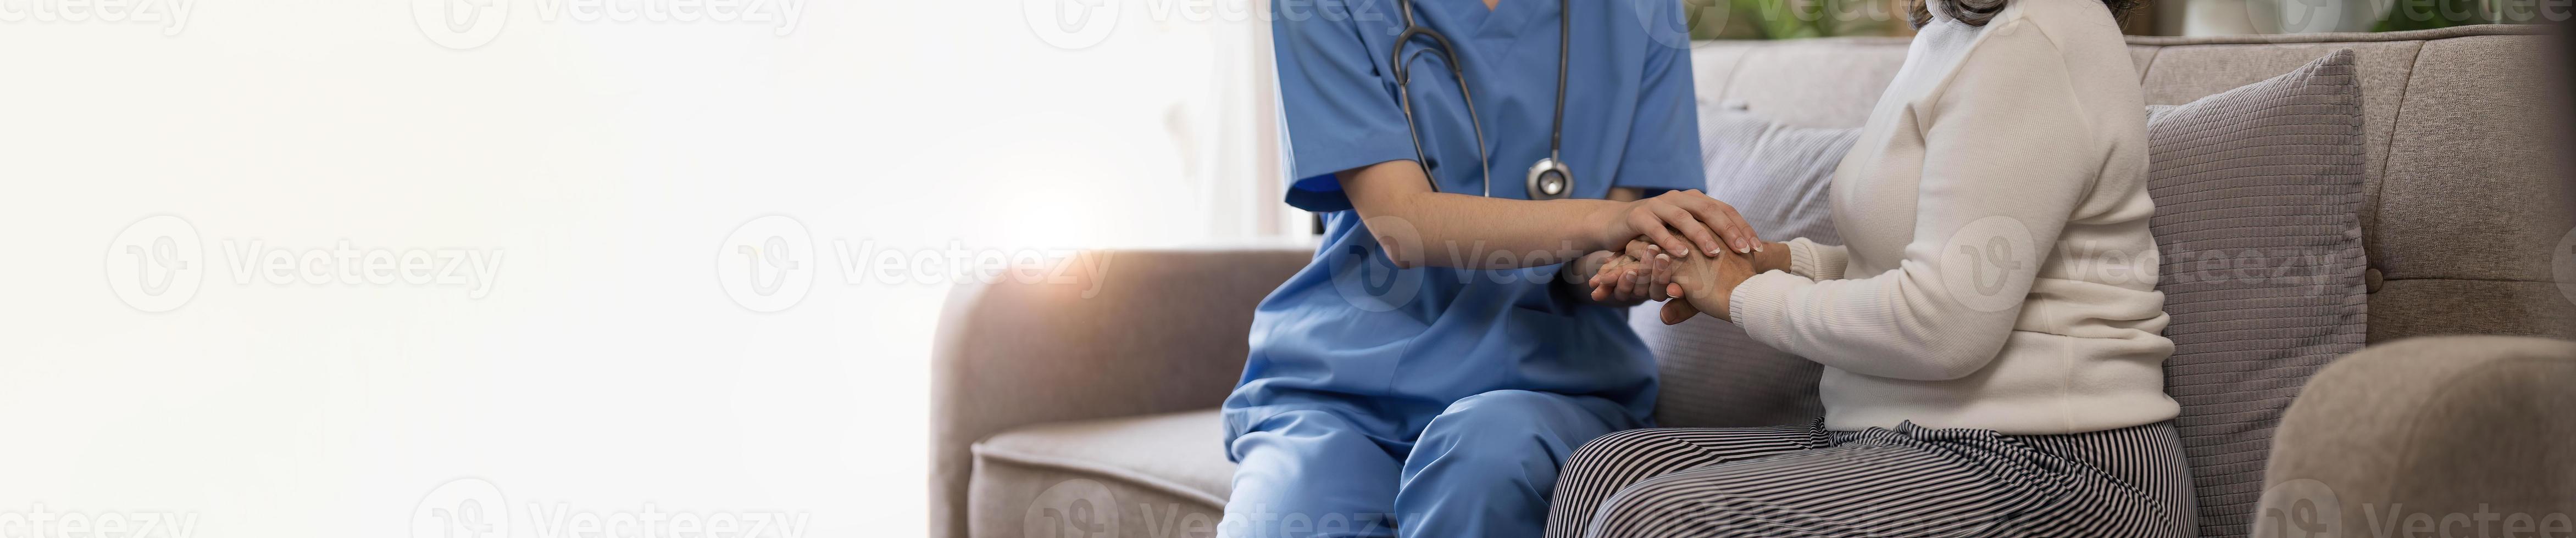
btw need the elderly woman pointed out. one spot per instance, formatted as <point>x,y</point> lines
<point>1986,374</point>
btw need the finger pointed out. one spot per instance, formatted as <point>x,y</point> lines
<point>1606,282</point>
<point>1642,250</point>
<point>1601,276</point>
<point>1752,237</point>
<point>1655,231</point>
<point>1719,217</point>
<point>1690,226</point>
<point>1646,279</point>
<point>1744,229</point>
<point>1605,279</point>
<point>1663,273</point>
<point>1739,235</point>
<point>1676,312</point>
<point>1686,310</point>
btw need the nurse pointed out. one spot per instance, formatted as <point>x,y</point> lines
<point>1442,355</point>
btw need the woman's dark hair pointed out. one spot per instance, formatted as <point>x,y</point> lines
<point>1977,12</point>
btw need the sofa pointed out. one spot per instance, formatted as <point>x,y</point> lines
<point>1088,407</point>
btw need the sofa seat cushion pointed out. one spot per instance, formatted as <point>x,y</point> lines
<point>1154,475</point>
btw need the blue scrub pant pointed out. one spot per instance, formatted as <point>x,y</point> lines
<point>1484,467</point>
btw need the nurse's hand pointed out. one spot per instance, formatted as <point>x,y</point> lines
<point>1679,221</point>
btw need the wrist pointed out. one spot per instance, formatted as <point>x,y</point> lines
<point>1717,299</point>
<point>1603,228</point>
<point>1774,256</point>
<point>1715,304</point>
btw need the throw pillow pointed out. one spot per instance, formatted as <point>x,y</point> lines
<point>2258,193</point>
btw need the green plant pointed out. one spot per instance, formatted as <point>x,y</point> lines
<point>2422,14</point>
<point>1793,19</point>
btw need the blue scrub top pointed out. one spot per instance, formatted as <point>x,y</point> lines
<point>1351,329</point>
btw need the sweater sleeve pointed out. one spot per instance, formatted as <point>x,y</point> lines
<point>1816,261</point>
<point>2007,155</point>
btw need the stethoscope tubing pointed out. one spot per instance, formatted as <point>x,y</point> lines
<point>1554,163</point>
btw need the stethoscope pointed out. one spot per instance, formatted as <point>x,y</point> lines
<point>1549,179</point>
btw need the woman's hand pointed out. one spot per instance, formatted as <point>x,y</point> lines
<point>1679,222</point>
<point>1704,284</point>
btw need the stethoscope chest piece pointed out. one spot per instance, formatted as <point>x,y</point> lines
<point>1550,180</point>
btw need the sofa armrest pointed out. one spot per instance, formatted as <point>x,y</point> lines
<point>1123,333</point>
<point>2442,431</point>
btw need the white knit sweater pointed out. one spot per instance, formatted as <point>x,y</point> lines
<point>1997,272</point>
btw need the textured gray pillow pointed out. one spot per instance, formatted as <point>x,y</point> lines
<point>1712,374</point>
<point>2257,195</point>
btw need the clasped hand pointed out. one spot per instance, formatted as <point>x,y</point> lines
<point>1678,244</point>
<point>1643,271</point>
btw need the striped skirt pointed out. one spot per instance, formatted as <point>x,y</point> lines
<point>1908,481</point>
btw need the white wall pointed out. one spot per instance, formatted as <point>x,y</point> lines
<point>608,173</point>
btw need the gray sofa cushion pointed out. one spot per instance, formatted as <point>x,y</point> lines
<point>1712,375</point>
<point>2257,191</point>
